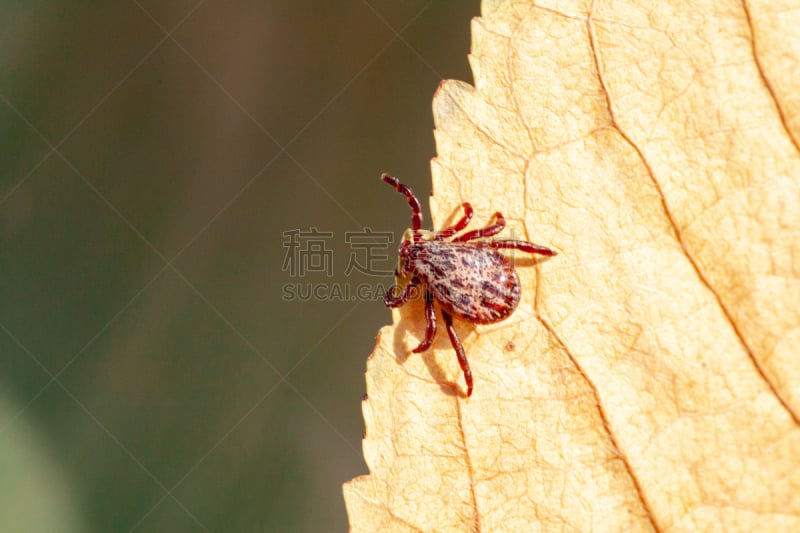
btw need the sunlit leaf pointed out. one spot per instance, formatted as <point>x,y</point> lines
<point>651,378</point>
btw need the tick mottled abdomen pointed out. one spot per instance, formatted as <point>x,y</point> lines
<point>471,281</point>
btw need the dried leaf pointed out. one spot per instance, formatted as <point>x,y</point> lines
<point>651,379</point>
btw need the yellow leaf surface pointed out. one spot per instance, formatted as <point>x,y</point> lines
<point>650,379</point>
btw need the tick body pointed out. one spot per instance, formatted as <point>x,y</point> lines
<point>468,278</point>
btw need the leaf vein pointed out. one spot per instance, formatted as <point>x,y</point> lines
<point>701,276</point>
<point>765,79</point>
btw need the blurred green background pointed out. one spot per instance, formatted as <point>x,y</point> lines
<point>153,375</point>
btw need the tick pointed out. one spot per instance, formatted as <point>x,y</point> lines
<point>468,278</point>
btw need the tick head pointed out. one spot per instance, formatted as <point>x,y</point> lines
<point>404,258</point>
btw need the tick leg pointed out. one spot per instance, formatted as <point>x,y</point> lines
<point>430,327</point>
<point>524,246</point>
<point>396,301</point>
<point>413,202</point>
<point>458,226</point>
<point>462,357</point>
<point>488,231</point>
